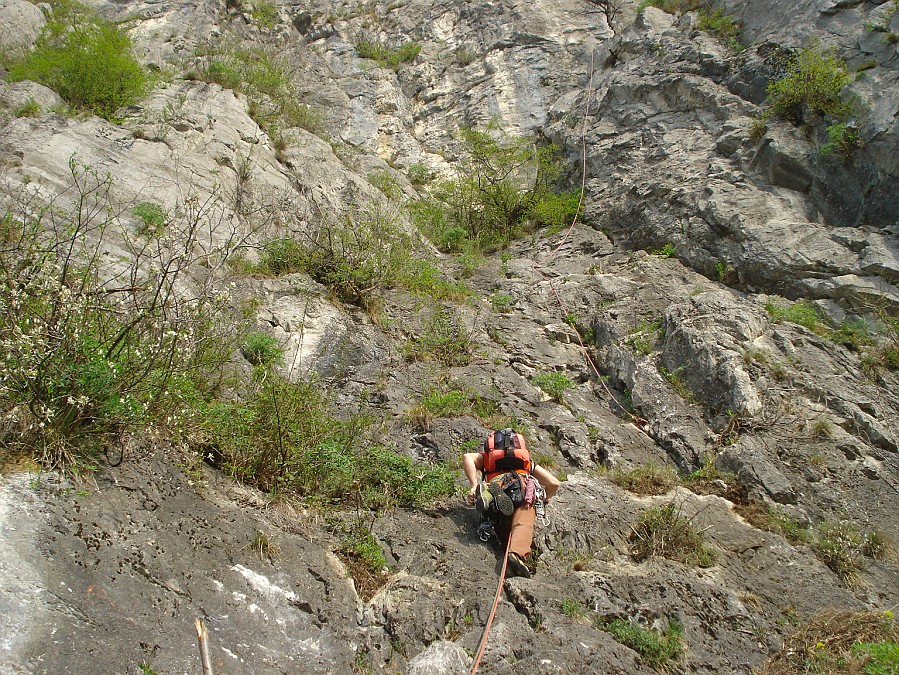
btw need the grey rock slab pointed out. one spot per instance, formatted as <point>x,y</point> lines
<point>119,574</point>
<point>20,25</point>
<point>750,465</point>
<point>440,658</point>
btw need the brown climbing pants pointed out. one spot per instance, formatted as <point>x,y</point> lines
<point>521,524</point>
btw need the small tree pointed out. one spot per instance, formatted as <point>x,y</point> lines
<point>86,60</point>
<point>813,84</point>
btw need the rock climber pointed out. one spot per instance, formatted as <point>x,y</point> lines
<point>511,486</point>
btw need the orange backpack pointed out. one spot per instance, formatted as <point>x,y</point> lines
<point>506,451</point>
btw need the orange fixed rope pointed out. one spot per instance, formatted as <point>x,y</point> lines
<point>499,590</point>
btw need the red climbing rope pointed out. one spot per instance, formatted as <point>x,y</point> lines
<point>499,590</point>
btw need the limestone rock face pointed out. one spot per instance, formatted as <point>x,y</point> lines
<point>670,356</point>
<point>20,25</point>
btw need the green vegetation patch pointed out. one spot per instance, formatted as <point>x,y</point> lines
<point>443,339</point>
<point>657,647</point>
<point>286,437</point>
<point>840,642</point>
<point>86,60</point>
<point>84,360</point>
<point>722,25</point>
<point>385,55</point>
<point>649,479</point>
<point>263,75</point>
<point>554,384</point>
<point>358,254</point>
<point>663,531</point>
<point>812,85</point>
<point>504,186</point>
<point>454,400</point>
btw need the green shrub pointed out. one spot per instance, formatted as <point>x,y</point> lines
<point>501,302</point>
<point>840,642</point>
<point>842,546</point>
<point>152,218</point>
<point>264,13</point>
<point>657,648</point>
<point>30,108</point>
<point>385,55</point>
<point>721,24</point>
<point>812,84</point>
<point>261,349</point>
<point>386,183</point>
<point>443,339</point>
<point>842,140</point>
<point>261,74</point>
<point>361,543</point>
<point>666,251</point>
<point>572,608</point>
<point>454,401</point>
<point>554,384</point>
<point>854,334</point>
<point>86,60</point>
<point>803,313</point>
<point>556,211</point>
<point>503,185</point>
<point>663,531</point>
<point>86,359</point>
<point>418,174</point>
<point>286,437</point>
<point>353,255</point>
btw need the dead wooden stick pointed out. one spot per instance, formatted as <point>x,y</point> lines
<point>203,641</point>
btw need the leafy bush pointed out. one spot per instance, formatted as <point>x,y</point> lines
<point>501,302</point>
<point>842,140</point>
<point>813,84</point>
<point>502,185</point>
<point>663,531</point>
<point>261,349</point>
<point>86,60</point>
<point>385,55</point>
<point>444,339</point>
<point>721,24</point>
<point>29,108</point>
<point>556,211</point>
<point>572,608</point>
<point>418,174</point>
<point>287,438</point>
<point>262,75</point>
<point>842,546</point>
<point>151,216</point>
<point>554,384</point>
<point>655,647</point>
<point>454,401</point>
<point>666,251</point>
<point>386,183</point>
<point>86,356</point>
<point>803,313</point>
<point>263,12</point>
<point>354,255</point>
